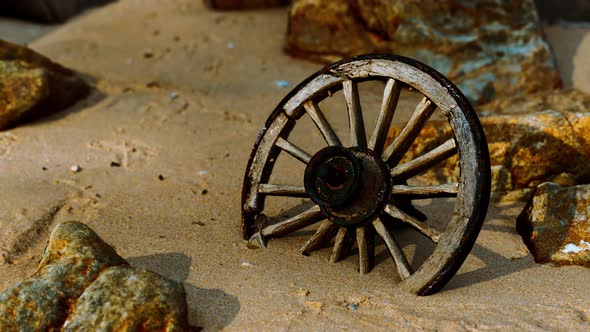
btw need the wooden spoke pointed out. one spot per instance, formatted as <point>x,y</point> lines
<point>425,161</point>
<point>342,244</point>
<point>421,227</point>
<point>355,114</point>
<point>425,192</point>
<point>297,222</point>
<point>324,233</point>
<point>293,150</point>
<point>322,123</point>
<point>366,245</point>
<point>388,106</point>
<point>403,267</point>
<point>396,151</point>
<point>281,190</point>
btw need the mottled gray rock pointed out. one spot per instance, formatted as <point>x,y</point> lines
<point>128,299</point>
<point>490,49</point>
<point>33,85</point>
<point>74,257</point>
<point>555,224</point>
<point>83,280</point>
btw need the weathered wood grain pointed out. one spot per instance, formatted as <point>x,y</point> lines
<point>388,105</point>
<point>358,137</point>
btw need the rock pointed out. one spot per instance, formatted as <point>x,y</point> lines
<point>74,260</point>
<point>47,10</point>
<point>531,140</point>
<point>490,49</point>
<point>244,4</point>
<point>31,84</point>
<point>128,299</point>
<point>555,224</point>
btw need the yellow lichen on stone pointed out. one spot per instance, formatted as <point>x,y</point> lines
<point>31,83</point>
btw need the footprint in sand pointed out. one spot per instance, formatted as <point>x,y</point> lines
<point>127,154</point>
<point>7,140</point>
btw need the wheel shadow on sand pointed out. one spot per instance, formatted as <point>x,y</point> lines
<point>496,265</point>
<point>210,309</point>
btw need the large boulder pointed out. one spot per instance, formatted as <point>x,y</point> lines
<point>77,271</point>
<point>555,224</point>
<point>31,84</point>
<point>490,49</point>
<point>531,140</point>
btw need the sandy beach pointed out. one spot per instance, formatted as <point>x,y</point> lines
<point>162,143</point>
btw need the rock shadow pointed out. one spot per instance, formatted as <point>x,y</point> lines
<point>210,309</point>
<point>40,115</point>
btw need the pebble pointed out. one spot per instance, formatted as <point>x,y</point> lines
<point>75,169</point>
<point>282,84</point>
<point>231,45</point>
<point>248,264</point>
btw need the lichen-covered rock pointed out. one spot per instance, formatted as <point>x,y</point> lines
<point>128,299</point>
<point>555,224</point>
<point>490,49</point>
<point>531,140</point>
<point>31,84</point>
<point>74,257</point>
<point>81,280</point>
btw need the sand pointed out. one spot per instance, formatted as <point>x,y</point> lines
<point>215,75</point>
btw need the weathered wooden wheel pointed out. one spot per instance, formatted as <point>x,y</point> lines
<point>360,190</point>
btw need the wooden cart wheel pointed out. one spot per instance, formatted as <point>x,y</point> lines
<point>359,188</point>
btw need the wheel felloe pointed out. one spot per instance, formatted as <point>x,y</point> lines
<point>363,192</point>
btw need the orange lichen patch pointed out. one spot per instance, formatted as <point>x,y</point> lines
<point>526,148</point>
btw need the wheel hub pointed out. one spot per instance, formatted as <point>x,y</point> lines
<point>349,184</point>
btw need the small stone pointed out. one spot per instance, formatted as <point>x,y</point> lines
<point>247,264</point>
<point>282,84</point>
<point>75,169</point>
<point>173,95</point>
<point>353,306</point>
<point>115,164</point>
<point>315,306</point>
<point>148,54</point>
<point>302,292</point>
<point>555,224</point>
<point>231,45</point>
